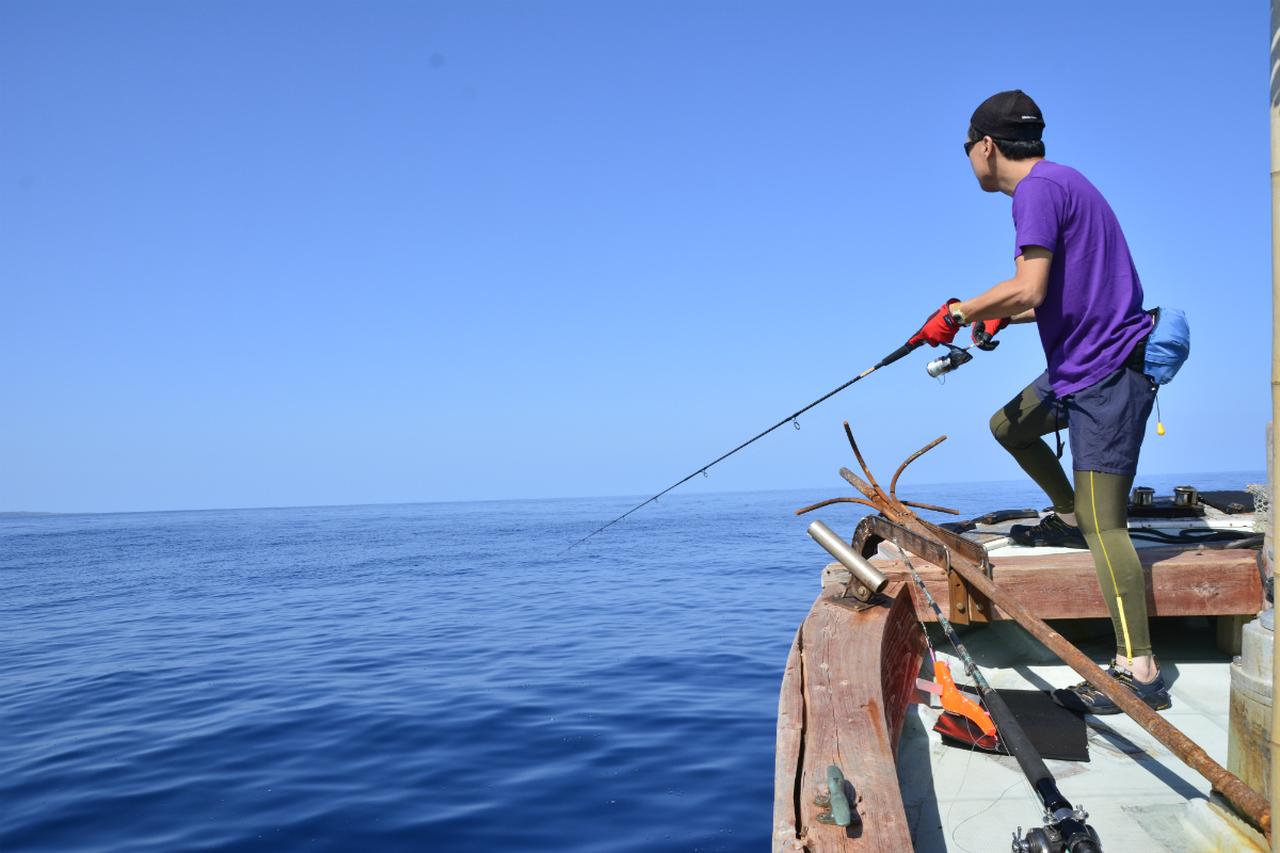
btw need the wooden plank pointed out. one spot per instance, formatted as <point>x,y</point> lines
<point>1180,582</point>
<point>790,742</point>
<point>852,721</point>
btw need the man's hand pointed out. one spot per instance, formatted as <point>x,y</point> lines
<point>984,330</point>
<point>940,328</point>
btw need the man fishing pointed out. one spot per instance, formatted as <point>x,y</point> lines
<point>1074,278</point>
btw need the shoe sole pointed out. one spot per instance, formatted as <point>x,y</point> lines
<point>1119,710</point>
<point>1083,546</point>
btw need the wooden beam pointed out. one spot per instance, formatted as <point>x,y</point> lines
<point>1180,582</point>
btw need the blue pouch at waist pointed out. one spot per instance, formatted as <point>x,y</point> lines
<point>1168,345</point>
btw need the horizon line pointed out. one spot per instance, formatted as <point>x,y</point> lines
<point>10,514</point>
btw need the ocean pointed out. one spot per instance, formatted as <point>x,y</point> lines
<point>411,677</point>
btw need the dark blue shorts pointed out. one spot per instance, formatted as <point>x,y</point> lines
<point>1105,422</point>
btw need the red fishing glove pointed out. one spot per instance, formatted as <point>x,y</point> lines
<point>984,330</point>
<point>940,328</point>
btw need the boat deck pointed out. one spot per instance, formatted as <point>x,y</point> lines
<point>1138,795</point>
<point>847,699</point>
<point>1061,583</point>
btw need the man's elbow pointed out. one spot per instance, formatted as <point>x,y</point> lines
<point>1031,294</point>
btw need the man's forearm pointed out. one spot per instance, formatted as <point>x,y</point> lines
<point>1007,299</point>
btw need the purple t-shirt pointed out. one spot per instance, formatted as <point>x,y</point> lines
<point>1092,313</point>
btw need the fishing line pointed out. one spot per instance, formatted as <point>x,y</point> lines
<point>981,812</point>
<point>792,418</point>
<point>964,774</point>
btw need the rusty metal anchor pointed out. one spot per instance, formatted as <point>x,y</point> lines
<point>897,523</point>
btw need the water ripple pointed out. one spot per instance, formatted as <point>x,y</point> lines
<point>412,677</point>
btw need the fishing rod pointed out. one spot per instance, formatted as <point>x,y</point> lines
<point>791,418</point>
<point>1065,828</point>
<point>936,368</point>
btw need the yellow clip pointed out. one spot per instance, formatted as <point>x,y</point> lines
<point>1159,428</point>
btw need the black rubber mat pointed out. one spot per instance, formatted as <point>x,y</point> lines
<point>1054,731</point>
<point>998,517</point>
<point>1232,502</point>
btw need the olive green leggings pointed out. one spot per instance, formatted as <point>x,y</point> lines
<point>1101,504</point>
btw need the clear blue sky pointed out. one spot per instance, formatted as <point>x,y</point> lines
<point>302,253</point>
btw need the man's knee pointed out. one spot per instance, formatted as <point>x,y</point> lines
<point>1000,427</point>
<point>1085,521</point>
<point>1013,424</point>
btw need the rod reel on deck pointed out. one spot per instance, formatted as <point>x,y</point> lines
<point>1048,839</point>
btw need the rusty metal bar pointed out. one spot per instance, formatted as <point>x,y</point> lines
<point>879,500</point>
<point>876,491</point>
<point>933,507</point>
<point>961,549</point>
<point>878,529</point>
<point>893,484</point>
<point>829,501</point>
<point>965,604</point>
<point>848,500</point>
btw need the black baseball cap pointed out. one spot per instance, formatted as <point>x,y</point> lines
<point>1009,115</point>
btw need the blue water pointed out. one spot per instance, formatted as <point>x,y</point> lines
<point>411,677</point>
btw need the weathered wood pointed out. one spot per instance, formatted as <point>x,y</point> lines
<point>1180,582</point>
<point>1228,632</point>
<point>902,654</point>
<point>856,671</point>
<point>790,743</point>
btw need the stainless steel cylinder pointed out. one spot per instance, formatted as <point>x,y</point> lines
<point>1143,496</point>
<point>866,574</point>
<point>1185,496</point>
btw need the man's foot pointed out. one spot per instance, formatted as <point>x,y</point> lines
<point>1051,531</point>
<point>1087,699</point>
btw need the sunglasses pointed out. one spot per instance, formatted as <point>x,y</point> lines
<point>968,146</point>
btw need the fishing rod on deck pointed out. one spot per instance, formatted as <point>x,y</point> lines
<point>936,368</point>
<point>1065,826</point>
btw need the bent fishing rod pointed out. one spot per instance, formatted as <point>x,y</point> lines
<point>1066,828</point>
<point>936,368</point>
